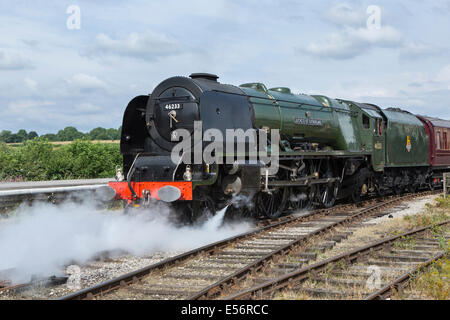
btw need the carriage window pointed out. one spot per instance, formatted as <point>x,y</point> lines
<point>444,137</point>
<point>366,121</point>
<point>438,140</point>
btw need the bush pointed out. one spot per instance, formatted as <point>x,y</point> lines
<point>38,159</point>
<point>94,160</point>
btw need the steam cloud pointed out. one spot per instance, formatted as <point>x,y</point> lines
<point>41,240</point>
<point>242,200</point>
<point>298,197</point>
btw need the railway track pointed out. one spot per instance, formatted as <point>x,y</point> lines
<point>207,272</point>
<point>354,274</point>
<point>6,285</point>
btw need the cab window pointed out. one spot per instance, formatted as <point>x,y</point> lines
<point>366,121</point>
<point>379,127</point>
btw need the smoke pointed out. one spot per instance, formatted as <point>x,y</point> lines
<point>298,197</point>
<point>43,239</point>
<point>243,200</point>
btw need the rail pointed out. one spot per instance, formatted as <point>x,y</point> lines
<point>12,193</point>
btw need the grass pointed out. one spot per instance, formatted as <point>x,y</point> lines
<point>405,243</point>
<point>433,215</point>
<point>432,283</point>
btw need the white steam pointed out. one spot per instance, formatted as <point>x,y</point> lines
<point>298,197</point>
<point>243,200</point>
<point>43,239</point>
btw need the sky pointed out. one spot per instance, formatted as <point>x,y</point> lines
<point>79,63</point>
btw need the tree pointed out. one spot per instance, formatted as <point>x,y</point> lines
<point>113,134</point>
<point>66,134</point>
<point>32,135</point>
<point>5,136</point>
<point>22,135</point>
<point>50,137</point>
<point>69,134</point>
<point>14,138</point>
<point>99,134</point>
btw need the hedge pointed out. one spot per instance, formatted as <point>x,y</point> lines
<point>38,159</point>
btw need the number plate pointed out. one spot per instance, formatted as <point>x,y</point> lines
<point>173,106</point>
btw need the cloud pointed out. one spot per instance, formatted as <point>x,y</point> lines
<point>354,36</point>
<point>427,94</point>
<point>147,46</point>
<point>419,50</point>
<point>352,42</point>
<point>88,108</point>
<point>30,42</point>
<point>110,60</point>
<point>87,82</point>
<point>444,75</point>
<point>13,61</point>
<point>26,105</point>
<point>46,116</point>
<point>31,84</point>
<point>441,7</point>
<point>384,37</point>
<point>343,14</point>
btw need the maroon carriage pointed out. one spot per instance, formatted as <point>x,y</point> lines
<point>439,132</point>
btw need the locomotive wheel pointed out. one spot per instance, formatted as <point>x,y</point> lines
<point>299,202</point>
<point>239,212</point>
<point>398,189</point>
<point>413,188</point>
<point>191,211</point>
<point>202,207</point>
<point>328,195</point>
<point>272,204</point>
<point>380,191</point>
<point>356,195</point>
<point>432,186</point>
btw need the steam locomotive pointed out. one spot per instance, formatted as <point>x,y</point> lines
<point>328,149</point>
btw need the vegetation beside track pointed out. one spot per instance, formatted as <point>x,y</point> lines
<point>433,214</point>
<point>432,283</point>
<point>39,159</point>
